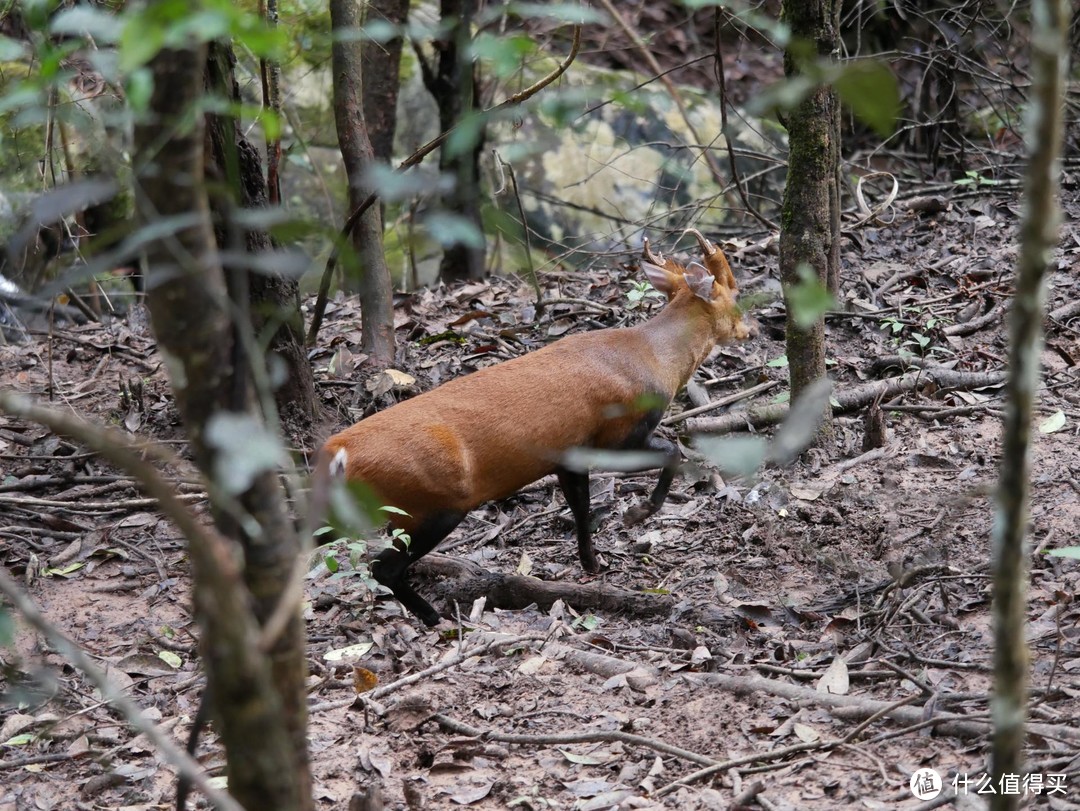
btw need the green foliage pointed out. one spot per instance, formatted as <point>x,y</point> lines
<point>561,12</point>
<point>867,87</point>
<point>975,179</point>
<point>453,229</point>
<point>503,53</point>
<point>871,91</point>
<point>640,292</point>
<point>809,299</point>
<point>246,450</point>
<point>7,628</point>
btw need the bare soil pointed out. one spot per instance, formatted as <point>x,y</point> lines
<point>870,580</point>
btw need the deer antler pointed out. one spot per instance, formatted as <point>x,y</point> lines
<point>648,255</point>
<point>706,247</point>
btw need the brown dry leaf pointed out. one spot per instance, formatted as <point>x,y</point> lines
<point>472,794</point>
<point>364,680</point>
<point>409,713</point>
<point>80,747</point>
<point>835,678</point>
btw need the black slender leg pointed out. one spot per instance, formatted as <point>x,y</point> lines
<point>575,487</point>
<point>640,512</point>
<point>391,566</point>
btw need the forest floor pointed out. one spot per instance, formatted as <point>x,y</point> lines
<point>820,628</point>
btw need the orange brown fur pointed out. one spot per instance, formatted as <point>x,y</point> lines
<point>486,435</point>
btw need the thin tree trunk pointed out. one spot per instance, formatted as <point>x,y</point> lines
<point>380,65</point>
<point>452,84</point>
<point>809,233</point>
<point>188,303</point>
<point>1039,235</point>
<point>373,282</point>
<point>271,300</point>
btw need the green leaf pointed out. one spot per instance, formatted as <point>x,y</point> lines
<point>11,50</point>
<point>331,564</point>
<point>1055,422</point>
<point>465,136</point>
<point>1065,552</point>
<point>808,300</point>
<point>105,27</point>
<point>584,459</point>
<point>139,86</point>
<point>7,628</point>
<point>139,43</point>
<point>801,424</point>
<point>870,90</point>
<point>453,229</point>
<point>171,659</point>
<point>778,363</point>
<point>246,449</point>
<point>562,12</point>
<point>64,571</point>
<point>394,510</point>
<point>504,53</point>
<point>735,455</point>
<point>393,186</point>
<point>20,740</point>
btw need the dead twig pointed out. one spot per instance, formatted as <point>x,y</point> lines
<point>557,739</point>
<point>745,394</point>
<point>852,399</point>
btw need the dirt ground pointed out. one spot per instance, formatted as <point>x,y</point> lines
<point>843,591</point>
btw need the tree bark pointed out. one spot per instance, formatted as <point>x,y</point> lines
<point>373,280</point>
<point>452,83</point>
<point>188,303</point>
<point>271,300</point>
<point>380,66</point>
<point>810,218</point>
<point>1038,236</point>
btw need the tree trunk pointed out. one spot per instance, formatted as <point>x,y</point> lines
<point>188,303</point>
<point>373,281</point>
<point>1038,235</point>
<point>452,84</point>
<point>271,300</point>
<point>262,297</point>
<point>380,64</point>
<point>810,223</point>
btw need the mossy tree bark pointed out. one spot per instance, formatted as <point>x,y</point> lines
<point>1039,235</point>
<point>810,224</point>
<point>190,311</point>
<point>371,276</point>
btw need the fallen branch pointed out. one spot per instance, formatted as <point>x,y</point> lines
<point>463,581</point>
<point>558,739</point>
<point>745,394</point>
<point>976,324</point>
<point>852,399</point>
<point>858,708</point>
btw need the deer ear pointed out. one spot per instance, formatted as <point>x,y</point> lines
<point>700,281</point>
<point>663,280</point>
<point>721,270</point>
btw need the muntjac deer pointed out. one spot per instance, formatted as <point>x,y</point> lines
<point>486,435</point>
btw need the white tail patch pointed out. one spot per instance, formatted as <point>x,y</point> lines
<point>339,462</point>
